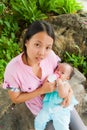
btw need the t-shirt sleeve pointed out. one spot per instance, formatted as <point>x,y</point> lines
<point>10,79</point>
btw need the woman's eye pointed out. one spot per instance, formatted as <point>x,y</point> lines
<point>48,48</point>
<point>37,45</point>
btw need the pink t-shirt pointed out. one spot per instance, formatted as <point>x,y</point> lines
<point>19,75</point>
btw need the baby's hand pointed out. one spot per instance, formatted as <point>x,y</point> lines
<point>59,82</point>
<point>67,99</point>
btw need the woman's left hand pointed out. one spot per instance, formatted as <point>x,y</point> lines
<point>67,99</point>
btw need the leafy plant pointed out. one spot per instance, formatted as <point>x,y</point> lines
<point>2,7</point>
<point>27,10</point>
<point>78,61</point>
<point>8,50</point>
<point>71,6</point>
<point>51,5</point>
<point>9,25</point>
<point>59,6</point>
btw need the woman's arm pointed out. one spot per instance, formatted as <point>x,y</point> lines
<point>19,97</point>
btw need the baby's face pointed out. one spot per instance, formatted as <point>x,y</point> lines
<point>63,71</point>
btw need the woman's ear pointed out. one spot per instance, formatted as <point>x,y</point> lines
<point>26,43</point>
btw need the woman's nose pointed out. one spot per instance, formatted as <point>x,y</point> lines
<point>42,52</point>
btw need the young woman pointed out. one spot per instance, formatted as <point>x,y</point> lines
<point>25,75</point>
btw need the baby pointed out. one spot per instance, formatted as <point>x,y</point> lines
<point>52,108</point>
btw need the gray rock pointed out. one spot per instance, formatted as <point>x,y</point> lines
<point>71,33</point>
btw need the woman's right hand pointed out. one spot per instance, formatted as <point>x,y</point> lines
<point>48,87</point>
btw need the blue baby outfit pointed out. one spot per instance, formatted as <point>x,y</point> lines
<point>52,110</point>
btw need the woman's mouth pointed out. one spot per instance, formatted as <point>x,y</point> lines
<point>39,59</point>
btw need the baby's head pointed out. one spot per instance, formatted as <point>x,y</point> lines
<point>65,71</point>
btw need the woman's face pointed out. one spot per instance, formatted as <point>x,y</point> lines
<point>38,47</point>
